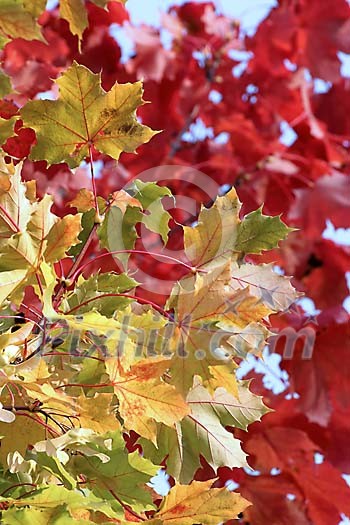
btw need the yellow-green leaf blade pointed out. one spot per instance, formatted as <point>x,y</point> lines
<point>85,116</point>
<point>215,234</point>
<point>258,232</point>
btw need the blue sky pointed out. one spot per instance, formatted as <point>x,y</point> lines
<point>249,12</point>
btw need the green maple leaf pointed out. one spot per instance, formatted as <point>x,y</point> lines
<point>85,116</point>
<point>124,474</point>
<point>258,232</point>
<point>118,231</point>
<point>150,195</point>
<point>141,203</point>
<point>57,499</point>
<point>99,285</point>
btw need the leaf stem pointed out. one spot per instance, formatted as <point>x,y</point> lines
<point>15,486</point>
<point>140,252</point>
<point>134,297</point>
<point>82,385</point>
<point>126,507</point>
<point>80,257</point>
<point>7,218</point>
<point>39,283</point>
<point>93,178</point>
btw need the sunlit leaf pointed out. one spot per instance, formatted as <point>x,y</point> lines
<point>199,503</point>
<point>86,116</point>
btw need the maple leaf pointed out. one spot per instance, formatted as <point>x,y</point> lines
<point>102,285</point>
<point>273,290</point>
<point>91,410</point>
<point>218,314</point>
<point>144,398</point>
<point>18,435</point>
<point>17,21</point>
<point>258,232</point>
<point>5,84</point>
<point>85,116</point>
<point>83,201</point>
<point>62,235</point>
<point>150,195</point>
<point>204,430</point>
<point>198,502</point>
<point>141,203</point>
<point>118,230</point>
<point>289,449</point>
<point>216,232</point>
<point>123,474</point>
<point>30,233</point>
<point>54,497</point>
<point>75,13</point>
<point>211,312</point>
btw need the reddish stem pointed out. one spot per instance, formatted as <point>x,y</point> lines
<point>12,397</point>
<point>39,283</point>
<point>93,177</point>
<point>126,507</point>
<point>56,299</point>
<point>9,220</point>
<point>140,252</point>
<point>40,422</point>
<point>135,297</point>
<point>33,310</point>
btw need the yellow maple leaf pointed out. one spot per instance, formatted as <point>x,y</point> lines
<point>144,398</point>
<point>74,12</point>
<point>24,431</point>
<point>96,413</point>
<point>83,201</point>
<point>17,20</point>
<point>199,503</point>
<point>216,232</point>
<point>210,316</point>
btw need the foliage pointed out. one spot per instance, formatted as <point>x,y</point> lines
<point>125,316</point>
